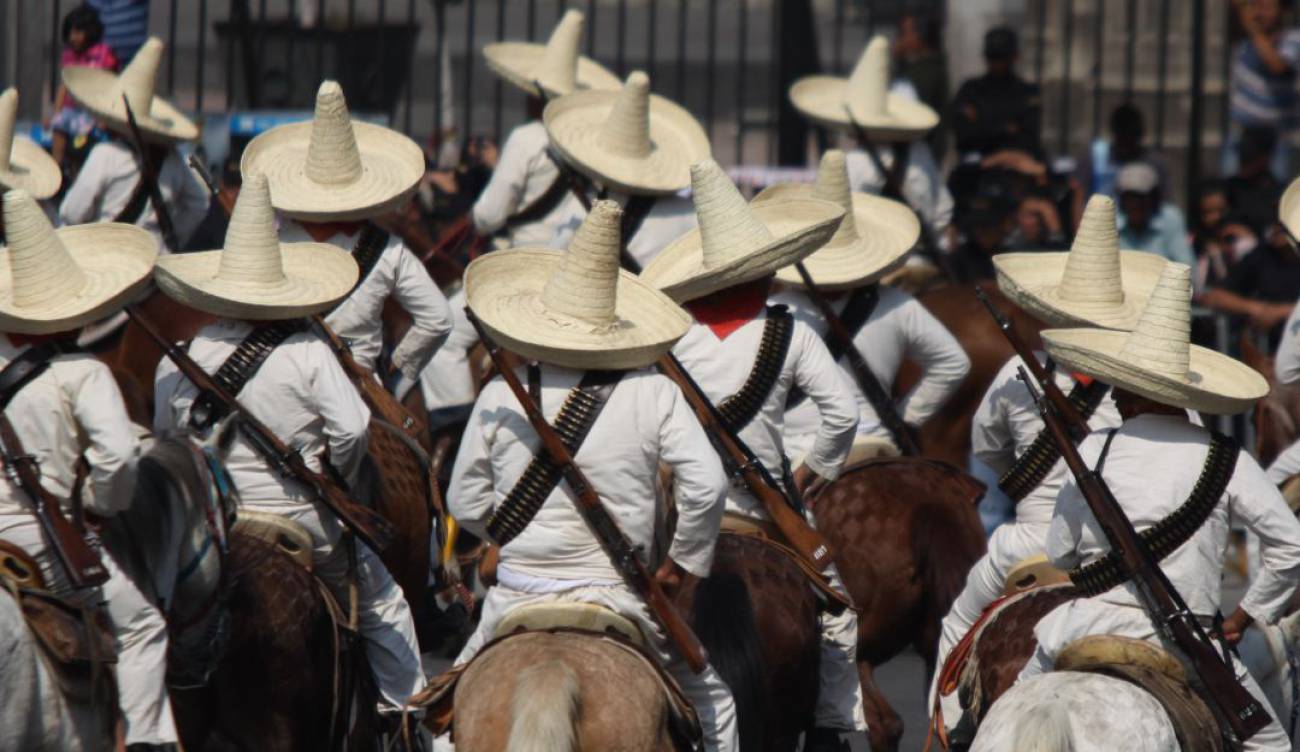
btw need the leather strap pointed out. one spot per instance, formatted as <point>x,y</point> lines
<point>740,408</point>
<point>634,215</point>
<point>370,245</point>
<point>541,206</point>
<point>1033,465</point>
<point>26,366</point>
<point>579,413</point>
<point>239,367</point>
<point>857,311</point>
<point>17,374</point>
<point>134,207</point>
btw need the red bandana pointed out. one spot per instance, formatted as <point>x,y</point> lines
<point>1082,379</point>
<point>726,311</point>
<point>321,232</point>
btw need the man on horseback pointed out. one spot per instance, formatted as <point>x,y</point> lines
<point>1157,377</point>
<point>288,377</point>
<point>886,323</point>
<point>593,330</point>
<point>71,410</point>
<point>24,165</point>
<point>1094,283</point>
<point>723,272</point>
<point>330,179</point>
<point>1287,359</point>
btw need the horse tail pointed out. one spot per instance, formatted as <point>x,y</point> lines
<point>947,539</point>
<point>544,709</point>
<point>724,620</point>
<point>1047,730</point>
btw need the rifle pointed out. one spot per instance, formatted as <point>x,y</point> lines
<point>1075,424</point>
<point>365,523</point>
<point>744,464</point>
<point>150,178</point>
<point>867,381</point>
<point>616,545</point>
<point>201,170</point>
<point>1161,600</point>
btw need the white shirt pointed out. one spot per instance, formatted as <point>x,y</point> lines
<point>1153,463</point>
<point>720,367</point>
<point>448,380</point>
<point>72,409</point>
<point>1287,361</point>
<point>359,318</point>
<point>668,219</point>
<point>898,327</point>
<point>109,177</point>
<point>923,187</point>
<point>646,421</point>
<point>523,173</point>
<point>1007,422</point>
<point>301,393</point>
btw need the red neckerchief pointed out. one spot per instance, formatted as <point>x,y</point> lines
<point>1082,379</point>
<point>726,311</point>
<point>322,231</point>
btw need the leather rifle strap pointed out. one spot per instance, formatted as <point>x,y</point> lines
<point>857,311</point>
<point>240,366</point>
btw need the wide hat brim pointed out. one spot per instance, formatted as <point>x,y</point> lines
<point>316,277</point>
<point>505,292</point>
<point>1032,280</point>
<point>115,258</point>
<point>823,99</point>
<point>520,62</point>
<point>798,227</point>
<point>574,124</point>
<point>1288,209</point>
<point>391,167</point>
<point>31,169</point>
<point>887,232</point>
<point>1216,383</point>
<point>97,91</point>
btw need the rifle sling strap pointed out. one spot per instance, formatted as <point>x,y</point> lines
<point>540,206</point>
<point>857,311</point>
<point>1032,466</point>
<point>574,421</point>
<point>134,207</point>
<point>740,408</point>
<point>239,367</point>
<point>1164,537</point>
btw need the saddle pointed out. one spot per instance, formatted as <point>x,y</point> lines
<point>287,536</point>
<point>1031,572</point>
<point>769,535</point>
<point>587,617</point>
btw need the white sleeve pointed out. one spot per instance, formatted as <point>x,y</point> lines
<point>504,193</point>
<point>166,380</point>
<point>1258,504</point>
<point>430,315</point>
<point>990,435</point>
<point>189,203</point>
<point>699,482</point>
<point>112,448</point>
<point>471,496</point>
<point>943,363</point>
<point>1287,365</point>
<point>817,375</point>
<point>346,417</point>
<point>81,202</point>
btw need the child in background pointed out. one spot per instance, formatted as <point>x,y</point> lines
<point>83,45</point>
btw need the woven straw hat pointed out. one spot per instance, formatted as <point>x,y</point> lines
<point>829,100</point>
<point>1157,359</point>
<point>738,242</point>
<point>1288,209</point>
<point>24,165</point>
<point>1093,284</point>
<point>59,280</point>
<point>629,140</point>
<point>556,65</point>
<point>256,276</point>
<point>100,92</point>
<point>576,309</point>
<point>873,240</point>
<point>335,168</point>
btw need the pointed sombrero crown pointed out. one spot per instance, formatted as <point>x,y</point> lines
<point>101,92</point>
<point>24,165</point>
<point>558,65</point>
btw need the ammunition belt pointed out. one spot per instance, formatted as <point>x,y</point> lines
<point>740,408</point>
<point>239,367</point>
<point>370,245</point>
<point>581,408</point>
<point>1164,537</point>
<point>857,311</point>
<point>1038,460</point>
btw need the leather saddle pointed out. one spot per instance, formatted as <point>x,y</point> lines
<point>586,617</point>
<point>770,535</point>
<point>1031,572</point>
<point>287,536</point>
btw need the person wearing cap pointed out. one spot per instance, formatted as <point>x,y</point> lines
<point>1094,283</point>
<point>1151,463</point>
<point>24,165</point>
<point>576,315</point>
<point>109,185</point>
<point>257,283</point>
<point>888,324</point>
<point>722,272</point>
<point>635,148</point>
<point>329,179</point>
<point>55,282</point>
<point>1146,221</point>
<point>998,110</point>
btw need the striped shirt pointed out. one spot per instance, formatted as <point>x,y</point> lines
<point>126,25</point>
<point>1259,96</point>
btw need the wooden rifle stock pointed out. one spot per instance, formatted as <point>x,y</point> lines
<point>201,170</point>
<point>1161,600</point>
<point>364,522</point>
<point>801,536</point>
<point>867,381</point>
<point>149,176</point>
<point>605,528</point>
<point>80,562</point>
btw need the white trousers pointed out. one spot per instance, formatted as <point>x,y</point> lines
<point>839,689</point>
<point>1089,616</point>
<point>384,618</point>
<point>138,629</point>
<point>706,690</point>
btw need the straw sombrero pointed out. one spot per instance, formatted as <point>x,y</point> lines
<point>556,65</point>
<point>1288,209</point>
<point>829,100</point>
<point>58,280</point>
<point>738,242</point>
<point>255,276</point>
<point>1093,284</point>
<point>873,240</point>
<point>24,165</point>
<point>333,168</point>
<point>100,92</point>
<point>629,140</point>
<point>575,309</point>
<point>1157,360</point>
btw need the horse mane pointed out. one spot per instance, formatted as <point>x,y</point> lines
<point>723,618</point>
<point>545,707</point>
